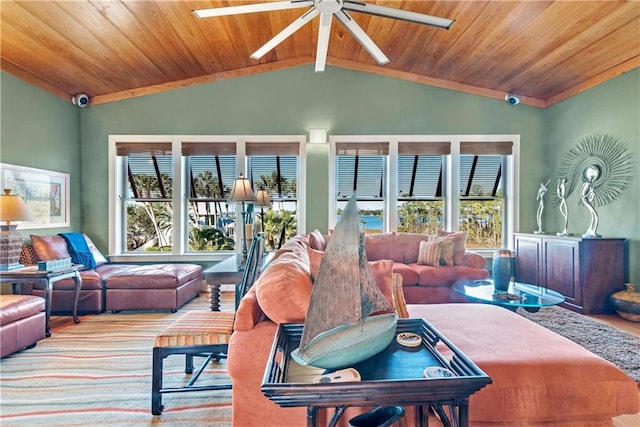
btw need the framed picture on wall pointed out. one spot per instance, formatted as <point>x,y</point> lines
<point>45,192</point>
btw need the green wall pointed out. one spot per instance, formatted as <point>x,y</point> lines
<point>42,131</point>
<point>292,101</point>
<point>614,108</point>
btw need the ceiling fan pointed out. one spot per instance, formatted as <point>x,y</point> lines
<point>327,9</point>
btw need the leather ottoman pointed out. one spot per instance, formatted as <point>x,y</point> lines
<point>153,286</point>
<point>22,322</point>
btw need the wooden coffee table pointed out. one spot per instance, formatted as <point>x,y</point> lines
<point>529,297</point>
<point>391,377</point>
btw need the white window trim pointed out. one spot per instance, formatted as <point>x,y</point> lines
<point>118,187</point>
<point>452,180</point>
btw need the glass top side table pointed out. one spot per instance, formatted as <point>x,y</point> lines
<point>31,274</point>
<point>529,297</point>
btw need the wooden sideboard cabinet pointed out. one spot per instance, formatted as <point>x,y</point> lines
<point>586,271</point>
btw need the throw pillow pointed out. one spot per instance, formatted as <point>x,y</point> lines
<point>283,290</point>
<point>28,255</point>
<point>315,259</point>
<point>97,255</point>
<point>382,271</point>
<point>316,240</point>
<point>446,249</point>
<point>429,253</point>
<point>48,248</point>
<point>460,239</point>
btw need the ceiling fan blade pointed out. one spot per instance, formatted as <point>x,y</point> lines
<point>252,8</point>
<point>324,33</point>
<point>359,34</point>
<point>282,35</point>
<point>403,15</point>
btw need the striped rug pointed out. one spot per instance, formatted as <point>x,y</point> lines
<point>98,372</point>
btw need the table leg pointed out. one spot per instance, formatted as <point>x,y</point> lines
<point>48,295</point>
<point>336,415</point>
<point>312,416</point>
<point>463,413</point>
<point>214,295</point>
<point>77,279</point>
<point>422,415</point>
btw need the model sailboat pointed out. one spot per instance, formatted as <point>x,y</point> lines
<point>340,329</point>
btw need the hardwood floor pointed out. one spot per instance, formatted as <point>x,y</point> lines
<point>632,328</point>
<point>618,322</point>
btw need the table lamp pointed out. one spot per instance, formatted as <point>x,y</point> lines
<point>12,208</point>
<point>263,201</point>
<point>242,193</point>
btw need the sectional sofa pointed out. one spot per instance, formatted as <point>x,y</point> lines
<point>114,286</point>
<point>426,279</point>
<point>22,322</point>
<point>540,379</point>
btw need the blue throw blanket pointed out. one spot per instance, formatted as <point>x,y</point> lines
<point>79,249</point>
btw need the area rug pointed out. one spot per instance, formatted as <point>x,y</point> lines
<point>618,347</point>
<point>98,372</point>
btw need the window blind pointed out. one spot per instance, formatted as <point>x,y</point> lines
<point>479,148</point>
<point>208,148</point>
<point>150,148</point>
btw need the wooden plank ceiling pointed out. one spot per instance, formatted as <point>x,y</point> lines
<point>543,51</point>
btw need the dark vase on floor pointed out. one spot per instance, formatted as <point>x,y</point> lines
<point>501,269</point>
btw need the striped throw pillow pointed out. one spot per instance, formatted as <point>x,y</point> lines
<point>429,253</point>
<point>446,249</point>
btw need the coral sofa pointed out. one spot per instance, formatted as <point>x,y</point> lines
<point>539,378</point>
<point>114,286</point>
<point>22,322</point>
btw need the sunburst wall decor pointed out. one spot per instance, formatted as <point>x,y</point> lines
<point>606,152</point>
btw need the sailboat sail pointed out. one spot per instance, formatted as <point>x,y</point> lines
<point>344,296</point>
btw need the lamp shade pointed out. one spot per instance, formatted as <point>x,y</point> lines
<point>241,191</point>
<point>263,199</point>
<point>13,208</point>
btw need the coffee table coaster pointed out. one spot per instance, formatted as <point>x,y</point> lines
<point>409,339</point>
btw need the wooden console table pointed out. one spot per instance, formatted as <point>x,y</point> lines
<point>31,274</point>
<point>586,271</point>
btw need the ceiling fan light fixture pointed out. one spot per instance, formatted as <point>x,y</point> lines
<point>251,8</point>
<point>362,37</point>
<point>328,6</point>
<point>328,9</point>
<point>284,34</point>
<point>324,33</point>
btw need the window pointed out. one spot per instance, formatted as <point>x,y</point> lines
<point>211,171</point>
<point>169,194</point>
<point>481,192</point>
<point>147,202</point>
<point>361,169</point>
<point>424,183</point>
<point>274,168</point>
<point>420,202</point>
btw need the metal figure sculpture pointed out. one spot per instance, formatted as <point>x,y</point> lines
<point>561,191</point>
<point>541,192</point>
<point>587,195</point>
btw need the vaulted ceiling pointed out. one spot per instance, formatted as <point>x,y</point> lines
<point>542,51</point>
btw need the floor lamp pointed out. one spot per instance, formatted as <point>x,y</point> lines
<point>12,208</point>
<point>263,201</point>
<point>242,193</point>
